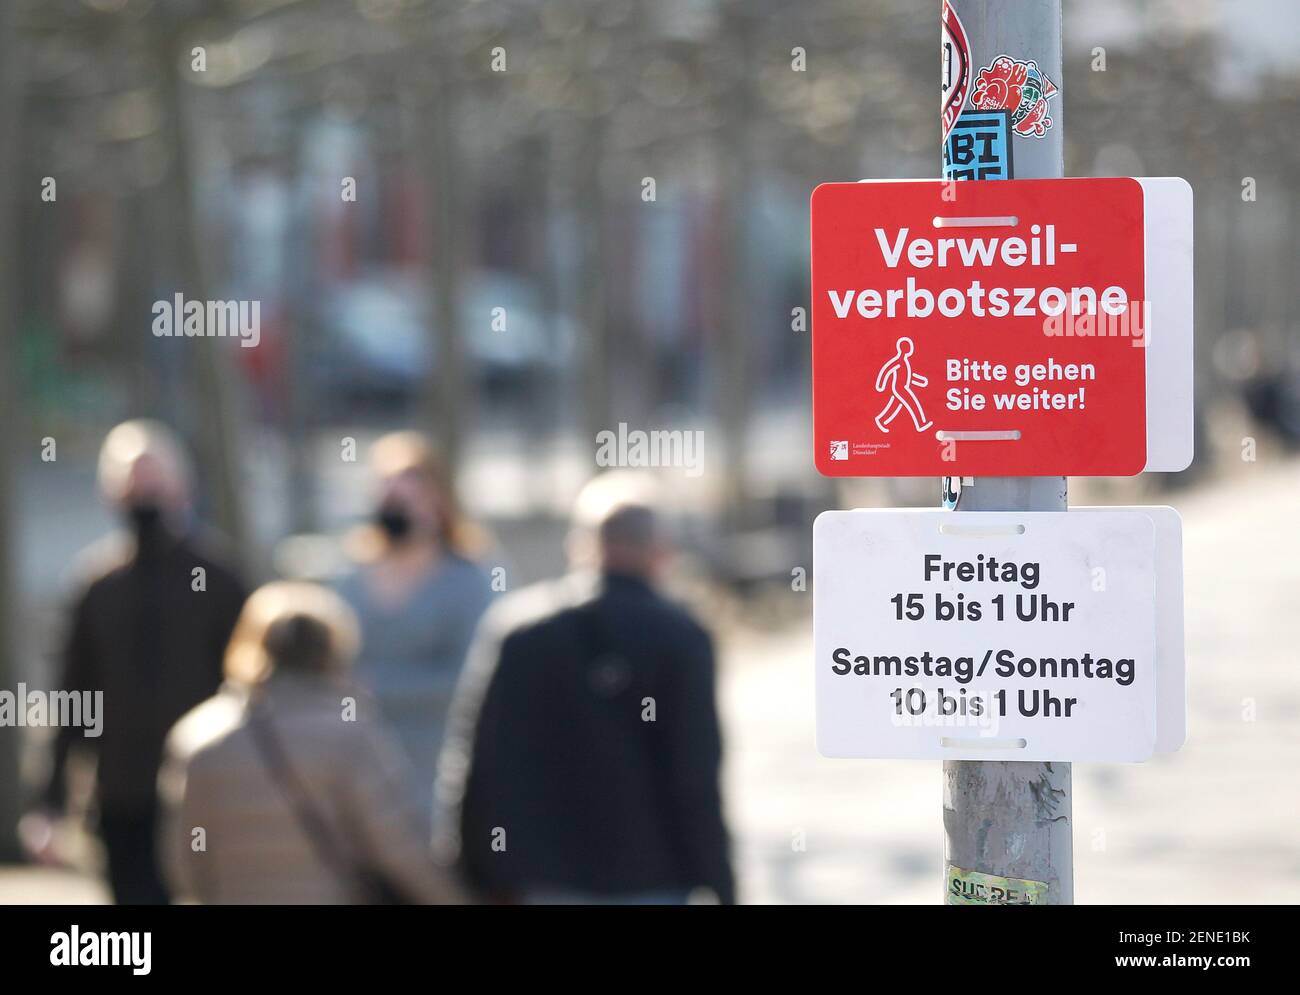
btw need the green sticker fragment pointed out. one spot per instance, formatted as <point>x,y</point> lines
<point>963,887</point>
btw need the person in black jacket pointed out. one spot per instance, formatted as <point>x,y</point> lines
<point>149,630</point>
<point>584,750</point>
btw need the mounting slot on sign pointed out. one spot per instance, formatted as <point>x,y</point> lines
<point>990,222</point>
<point>980,531</point>
<point>982,744</point>
<point>1006,435</point>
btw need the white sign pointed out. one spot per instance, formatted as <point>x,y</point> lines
<point>985,635</point>
<point>1171,660</point>
<point>1167,205</point>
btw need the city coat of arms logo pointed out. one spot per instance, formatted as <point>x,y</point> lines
<point>1020,87</point>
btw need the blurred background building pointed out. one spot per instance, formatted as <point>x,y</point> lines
<point>517,223</point>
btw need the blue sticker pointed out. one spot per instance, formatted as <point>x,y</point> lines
<point>979,147</point>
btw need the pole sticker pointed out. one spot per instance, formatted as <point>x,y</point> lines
<point>963,887</point>
<point>1020,87</point>
<point>979,147</point>
<point>955,77</point>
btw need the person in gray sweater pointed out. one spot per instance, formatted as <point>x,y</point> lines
<point>418,594</point>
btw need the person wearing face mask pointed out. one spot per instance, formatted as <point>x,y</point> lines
<point>418,593</point>
<point>148,629</point>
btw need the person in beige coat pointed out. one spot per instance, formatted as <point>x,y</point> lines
<point>277,790</point>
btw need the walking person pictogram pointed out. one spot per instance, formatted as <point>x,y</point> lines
<point>899,376</point>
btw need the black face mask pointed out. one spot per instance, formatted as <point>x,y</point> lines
<point>144,516</point>
<point>145,519</point>
<point>395,522</point>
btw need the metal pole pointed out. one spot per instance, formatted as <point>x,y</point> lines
<point>1004,818</point>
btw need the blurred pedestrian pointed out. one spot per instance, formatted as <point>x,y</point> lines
<point>418,594</point>
<point>148,629</point>
<point>277,790</point>
<point>583,754</point>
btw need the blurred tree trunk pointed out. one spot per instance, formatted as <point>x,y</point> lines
<point>11,113</point>
<point>733,360</point>
<point>298,402</point>
<point>217,432</point>
<point>446,396</point>
<point>594,332</point>
<point>298,411</point>
<point>131,236</point>
<point>546,388</point>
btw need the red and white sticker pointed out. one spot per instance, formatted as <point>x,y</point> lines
<point>955,78</point>
<point>995,328</point>
<point>1019,87</point>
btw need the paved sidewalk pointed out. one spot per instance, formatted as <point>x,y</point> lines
<point>40,886</point>
<point>1216,822</point>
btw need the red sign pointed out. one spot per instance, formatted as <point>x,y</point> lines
<point>992,328</point>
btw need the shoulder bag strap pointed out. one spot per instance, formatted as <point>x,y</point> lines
<point>294,792</point>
